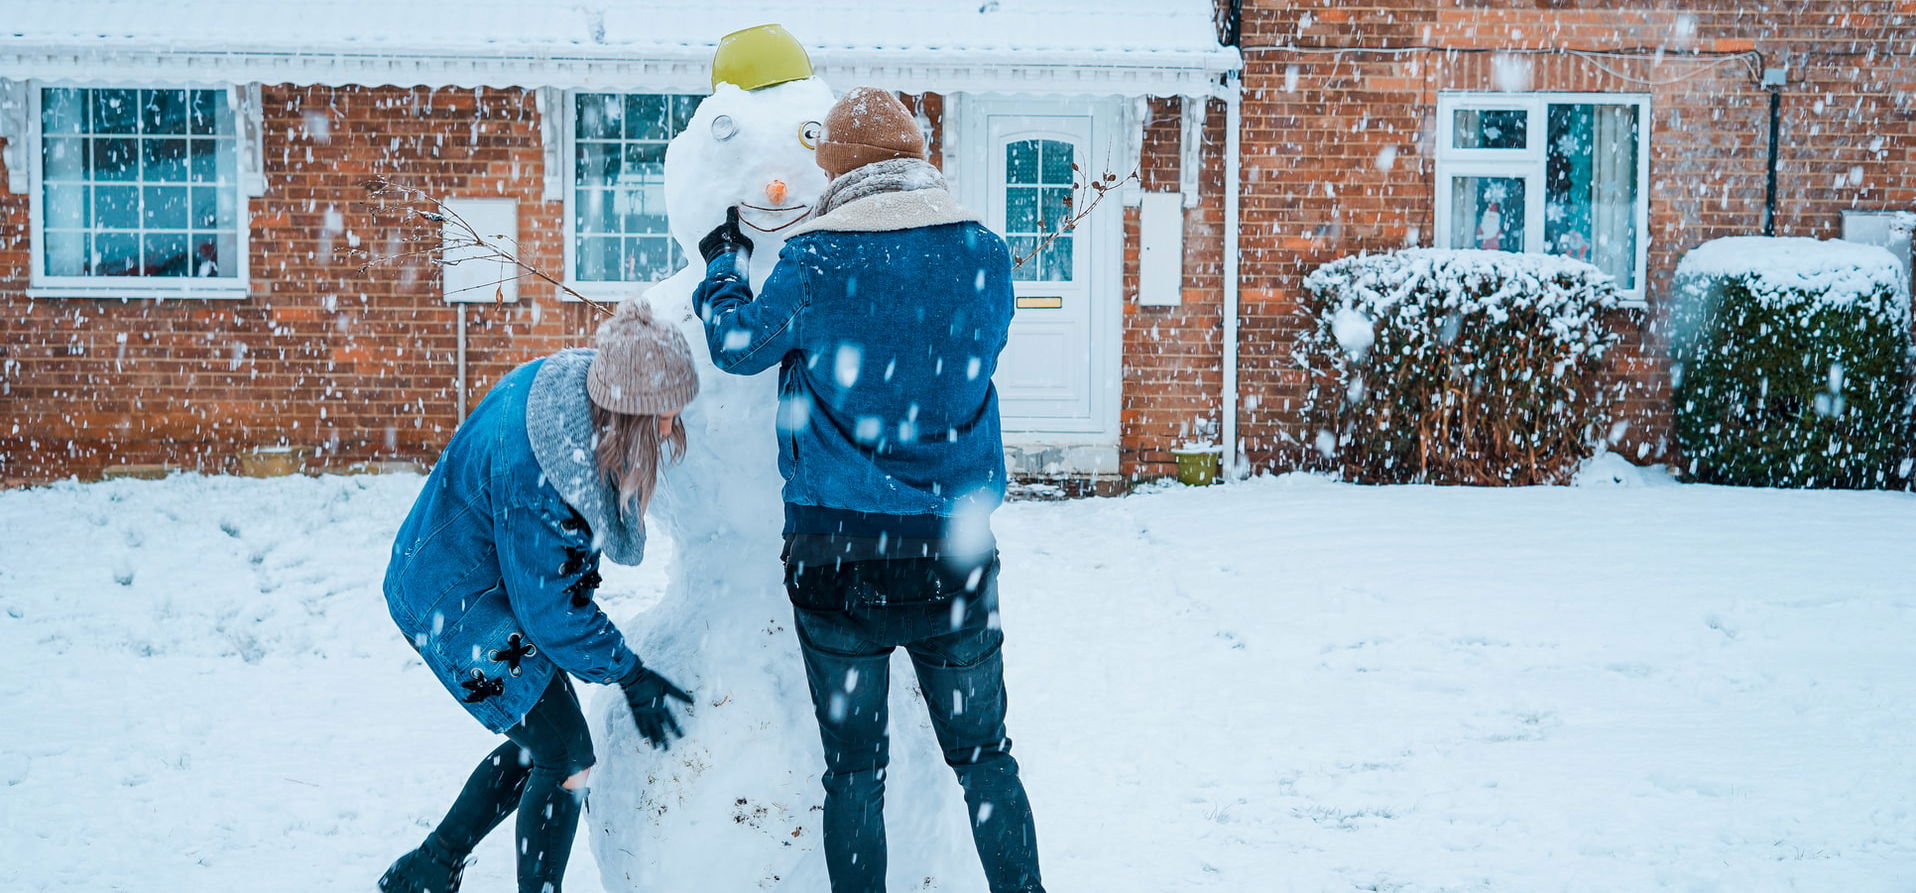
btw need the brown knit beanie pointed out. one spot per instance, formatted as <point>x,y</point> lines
<point>866,125</point>
<point>643,367</point>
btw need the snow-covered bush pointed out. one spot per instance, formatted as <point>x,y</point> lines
<point>1791,363</point>
<point>1457,366</point>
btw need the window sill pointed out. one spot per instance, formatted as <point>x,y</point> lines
<point>139,293</point>
<point>607,292</point>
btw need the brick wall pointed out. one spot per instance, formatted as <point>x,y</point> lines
<point>1338,145</point>
<point>1173,356</point>
<point>356,366</point>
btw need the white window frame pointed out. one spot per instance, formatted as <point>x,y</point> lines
<point>568,159</point>
<point>40,285</point>
<point>1528,164</point>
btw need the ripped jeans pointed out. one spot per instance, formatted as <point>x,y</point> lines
<point>954,642</point>
<point>527,773</point>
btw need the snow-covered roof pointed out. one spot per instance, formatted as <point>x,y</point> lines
<point>1135,47</point>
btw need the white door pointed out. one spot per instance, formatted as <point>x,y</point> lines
<point>1058,377</point>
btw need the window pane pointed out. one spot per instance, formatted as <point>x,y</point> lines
<point>600,116</point>
<point>648,259</point>
<point>210,253</point>
<point>599,259</point>
<point>642,210</point>
<point>1056,160</point>
<point>64,159</point>
<point>163,160</point>
<point>1021,162</point>
<point>66,253</point>
<point>115,159</point>
<point>1054,208</point>
<point>163,207</point>
<point>1021,210</point>
<point>116,207</point>
<point>213,208</point>
<point>648,116</point>
<point>1057,257</point>
<point>596,164</point>
<point>644,162</point>
<point>208,114</point>
<point>166,255</point>
<point>1490,128</point>
<point>1487,212</point>
<point>65,206</point>
<point>592,212</point>
<point>116,254</point>
<point>163,111</point>
<point>683,108</point>
<point>1590,187</point>
<point>62,111</point>
<point>115,111</point>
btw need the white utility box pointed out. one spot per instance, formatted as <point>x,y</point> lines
<point>1161,249</point>
<point>477,281</point>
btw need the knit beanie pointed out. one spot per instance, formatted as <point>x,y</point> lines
<point>866,125</point>
<point>643,367</point>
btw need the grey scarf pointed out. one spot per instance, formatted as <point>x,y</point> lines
<point>559,423</point>
<point>877,178</point>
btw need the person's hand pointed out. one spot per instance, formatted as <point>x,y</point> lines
<point>645,693</point>
<point>724,238</point>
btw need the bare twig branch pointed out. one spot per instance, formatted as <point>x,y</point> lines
<point>1086,193</point>
<point>416,203</point>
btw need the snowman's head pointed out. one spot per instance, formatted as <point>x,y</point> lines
<point>747,148</point>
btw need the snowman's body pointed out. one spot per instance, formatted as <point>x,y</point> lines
<point>734,806</point>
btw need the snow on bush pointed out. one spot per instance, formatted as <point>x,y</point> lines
<point>1457,366</point>
<point>1791,363</point>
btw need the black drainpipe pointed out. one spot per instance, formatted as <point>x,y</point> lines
<point>1773,79</point>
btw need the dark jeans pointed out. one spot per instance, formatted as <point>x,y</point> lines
<point>954,643</point>
<point>527,773</point>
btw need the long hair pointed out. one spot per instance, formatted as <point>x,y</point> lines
<point>628,453</point>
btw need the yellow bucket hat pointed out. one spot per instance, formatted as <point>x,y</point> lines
<point>759,57</point>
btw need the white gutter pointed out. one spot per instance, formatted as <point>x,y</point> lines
<point>1233,117</point>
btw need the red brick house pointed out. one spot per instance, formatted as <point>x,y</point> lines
<point>180,190</point>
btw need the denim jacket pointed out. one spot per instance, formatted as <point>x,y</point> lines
<point>492,573</point>
<point>885,318</point>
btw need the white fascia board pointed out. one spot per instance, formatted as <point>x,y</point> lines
<point>678,69</point>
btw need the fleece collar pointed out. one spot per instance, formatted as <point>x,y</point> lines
<point>888,211</point>
<point>559,423</point>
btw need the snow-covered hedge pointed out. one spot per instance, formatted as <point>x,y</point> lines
<point>1791,363</point>
<point>1457,366</point>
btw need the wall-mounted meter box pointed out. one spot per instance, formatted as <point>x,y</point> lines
<point>471,275</point>
<point>1890,229</point>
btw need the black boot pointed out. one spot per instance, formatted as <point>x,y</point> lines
<point>423,871</point>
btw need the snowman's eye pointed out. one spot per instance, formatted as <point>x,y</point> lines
<point>808,134</point>
<point>724,128</point>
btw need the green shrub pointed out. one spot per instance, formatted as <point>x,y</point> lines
<point>1457,366</point>
<point>1791,364</point>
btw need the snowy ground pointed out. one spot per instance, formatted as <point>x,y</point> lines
<point>1282,685</point>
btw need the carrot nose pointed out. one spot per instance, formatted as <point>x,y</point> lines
<point>775,191</point>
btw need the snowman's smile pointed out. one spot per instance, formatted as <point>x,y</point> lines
<point>801,209</point>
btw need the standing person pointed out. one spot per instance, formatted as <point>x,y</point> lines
<point>886,313</point>
<point>493,572</point>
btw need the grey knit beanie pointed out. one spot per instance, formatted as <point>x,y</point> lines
<point>643,367</point>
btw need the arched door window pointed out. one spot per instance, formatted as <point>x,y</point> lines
<point>1037,202</point>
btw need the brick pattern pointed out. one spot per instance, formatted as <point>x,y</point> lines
<point>1338,145</point>
<point>357,366</point>
<point>1173,356</point>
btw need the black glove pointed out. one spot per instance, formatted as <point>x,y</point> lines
<point>724,238</point>
<point>645,693</point>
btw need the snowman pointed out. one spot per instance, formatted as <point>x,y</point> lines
<point>735,805</point>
